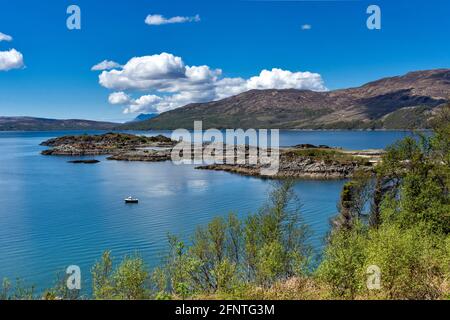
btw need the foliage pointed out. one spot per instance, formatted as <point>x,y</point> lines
<point>228,255</point>
<point>327,155</point>
<point>409,242</point>
<point>342,267</point>
<point>355,196</point>
<point>18,291</point>
<point>407,260</point>
<point>60,291</point>
<point>129,281</point>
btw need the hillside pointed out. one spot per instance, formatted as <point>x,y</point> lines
<point>144,116</point>
<point>42,124</point>
<point>403,102</point>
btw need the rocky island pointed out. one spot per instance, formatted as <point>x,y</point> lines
<point>104,144</point>
<point>89,161</point>
<point>303,161</point>
<point>310,162</point>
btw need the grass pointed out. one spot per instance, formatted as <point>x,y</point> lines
<point>327,155</point>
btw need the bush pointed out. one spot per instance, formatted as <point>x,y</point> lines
<point>406,261</point>
<point>129,281</point>
<point>228,256</point>
<point>342,268</point>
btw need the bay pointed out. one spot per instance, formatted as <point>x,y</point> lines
<point>54,214</point>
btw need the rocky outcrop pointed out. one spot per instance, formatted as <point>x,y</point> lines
<point>142,155</point>
<point>105,144</point>
<point>298,168</point>
<point>93,161</point>
<point>300,162</point>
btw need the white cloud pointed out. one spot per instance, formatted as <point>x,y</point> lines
<point>145,103</point>
<point>144,72</point>
<point>283,79</point>
<point>170,84</point>
<point>157,19</point>
<point>5,37</point>
<point>105,65</point>
<point>120,98</point>
<point>306,27</point>
<point>11,59</point>
<point>230,87</point>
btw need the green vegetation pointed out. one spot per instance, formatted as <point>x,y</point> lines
<point>228,256</point>
<point>408,234</point>
<point>408,118</point>
<point>327,155</point>
<point>18,291</point>
<point>127,282</point>
<point>107,139</point>
<point>396,221</point>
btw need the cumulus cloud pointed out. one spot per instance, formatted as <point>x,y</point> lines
<point>283,79</point>
<point>154,71</point>
<point>120,98</point>
<point>5,37</point>
<point>11,59</point>
<point>157,19</point>
<point>306,27</point>
<point>169,83</point>
<point>105,65</point>
<point>145,103</point>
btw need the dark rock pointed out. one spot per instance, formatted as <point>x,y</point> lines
<point>142,155</point>
<point>84,161</point>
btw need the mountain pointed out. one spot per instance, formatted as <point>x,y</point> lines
<point>402,102</point>
<point>42,124</point>
<point>144,116</point>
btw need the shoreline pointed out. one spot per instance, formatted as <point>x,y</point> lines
<point>303,161</point>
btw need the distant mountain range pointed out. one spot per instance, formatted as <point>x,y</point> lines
<point>403,102</point>
<point>42,124</point>
<point>144,116</point>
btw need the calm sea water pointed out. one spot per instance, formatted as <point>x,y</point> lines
<point>54,214</point>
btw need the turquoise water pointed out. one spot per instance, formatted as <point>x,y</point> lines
<point>54,214</point>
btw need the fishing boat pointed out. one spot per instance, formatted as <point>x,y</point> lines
<point>131,200</point>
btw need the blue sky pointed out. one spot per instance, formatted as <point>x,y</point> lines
<point>241,38</point>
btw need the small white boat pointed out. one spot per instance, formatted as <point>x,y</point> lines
<point>131,200</point>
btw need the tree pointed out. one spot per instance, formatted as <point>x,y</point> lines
<point>129,281</point>
<point>228,254</point>
<point>276,238</point>
<point>341,269</point>
<point>102,286</point>
<point>18,291</point>
<point>407,262</point>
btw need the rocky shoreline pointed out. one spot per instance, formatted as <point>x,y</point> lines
<point>306,169</point>
<point>142,155</point>
<point>303,161</point>
<point>105,144</point>
<point>296,165</point>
